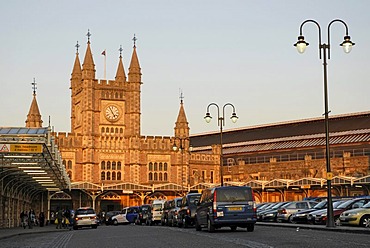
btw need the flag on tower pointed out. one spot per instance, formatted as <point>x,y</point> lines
<point>103,53</point>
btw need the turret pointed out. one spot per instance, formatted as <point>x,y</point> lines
<point>34,116</point>
<point>88,67</point>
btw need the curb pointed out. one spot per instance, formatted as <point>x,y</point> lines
<point>348,229</point>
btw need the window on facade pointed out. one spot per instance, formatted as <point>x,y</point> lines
<point>119,166</point>
<point>118,175</point>
<point>204,175</point>
<point>108,165</point>
<point>102,175</point>
<point>212,175</point>
<point>165,166</point>
<point>121,130</point>
<point>150,166</point>
<point>165,177</point>
<point>112,130</point>
<point>113,175</point>
<point>107,130</point>
<point>155,166</point>
<point>102,129</point>
<point>160,177</point>
<point>102,165</point>
<point>113,165</point>
<point>155,176</point>
<point>150,176</point>
<point>160,166</point>
<point>108,175</point>
<point>116,130</point>
<point>69,164</point>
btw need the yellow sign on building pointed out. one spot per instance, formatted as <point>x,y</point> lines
<point>21,148</point>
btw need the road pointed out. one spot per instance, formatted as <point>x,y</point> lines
<point>168,237</point>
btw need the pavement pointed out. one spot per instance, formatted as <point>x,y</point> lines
<point>11,232</point>
<point>15,231</point>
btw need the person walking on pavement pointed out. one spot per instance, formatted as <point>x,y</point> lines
<point>59,218</point>
<point>42,219</point>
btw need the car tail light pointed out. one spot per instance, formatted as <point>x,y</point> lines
<point>215,204</point>
<point>188,212</point>
<point>93,217</point>
<point>283,211</point>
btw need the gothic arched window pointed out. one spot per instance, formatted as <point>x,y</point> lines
<point>102,175</point>
<point>118,175</point>
<point>102,165</point>
<point>119,166</point>
<point>113,165</point>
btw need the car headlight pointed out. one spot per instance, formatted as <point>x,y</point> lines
<point>353,214</point>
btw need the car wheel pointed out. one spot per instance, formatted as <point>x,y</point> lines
<point>197,226</point>
<point>336,221</point>
<point>180,222</point>
<point>115,222</point>
<point>250,228</point>
<point>233,228</point>
<point>210,226</point>
<point>94,227</point>
<point>365,221</point>
<point>185,223</point>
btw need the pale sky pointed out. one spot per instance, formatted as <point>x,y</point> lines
<point>216,51</point>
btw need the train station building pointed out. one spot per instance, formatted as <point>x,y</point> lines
<point>105,162</point>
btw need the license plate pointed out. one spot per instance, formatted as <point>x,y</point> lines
<point>86,218</point>
<point>235,208</point>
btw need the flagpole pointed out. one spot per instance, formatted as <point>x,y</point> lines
<point>105,64</point>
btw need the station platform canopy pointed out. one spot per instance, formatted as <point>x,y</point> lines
<point>30,159</point>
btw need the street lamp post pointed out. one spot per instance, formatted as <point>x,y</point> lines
<point>347,47</point>
<point>221,123</point>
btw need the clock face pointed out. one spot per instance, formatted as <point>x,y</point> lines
<point>112,113</point>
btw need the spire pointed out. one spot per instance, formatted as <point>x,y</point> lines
<point>88,66</point>
<point>76,72</point>
<point>34,116</point>
<point>182,125</point>
<point>120,75</point>
<point>134,74</point>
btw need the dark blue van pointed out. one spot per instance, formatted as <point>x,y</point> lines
<point>230,206</point>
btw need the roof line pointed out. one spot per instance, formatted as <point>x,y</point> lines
<point>284,123</point>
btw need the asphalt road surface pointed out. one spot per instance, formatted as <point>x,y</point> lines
<point>168,237</point>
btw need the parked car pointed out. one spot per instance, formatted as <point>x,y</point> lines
<point>285,213</point>
<point>173,212</point>
<point>144,215</point>
<point>230,206</point>
<point>321,217</point>
<point>85,217</point>
<point>109,215</point>
<point>120,218</point>
<point>356,217</point>
<point>186,214</point>
<point>302,216</point>
<point>157,208</point>
<point>166,208</point>
<point>132,214</point>
<point>311,215</point>
<point>270,214</point>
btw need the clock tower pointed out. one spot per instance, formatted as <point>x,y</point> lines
<point>103,112</point>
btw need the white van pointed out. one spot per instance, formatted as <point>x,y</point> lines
<point>157,209</point>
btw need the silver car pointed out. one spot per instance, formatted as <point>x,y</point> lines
<point>285,213</point>
<point>85,217</point>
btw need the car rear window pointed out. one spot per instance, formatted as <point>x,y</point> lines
<point>193,198</point>
<point>157,207</point>
<point>85,211</point>
<point>234,194</point>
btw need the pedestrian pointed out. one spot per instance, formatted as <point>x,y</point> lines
<point>42,219</point>
<point>67,218</point>
<point>31,218</point>
<point>59,218</point>
<point>24,219</point>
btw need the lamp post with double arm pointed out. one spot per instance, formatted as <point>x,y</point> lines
<point>221,123</point>
<point>325,50</point>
